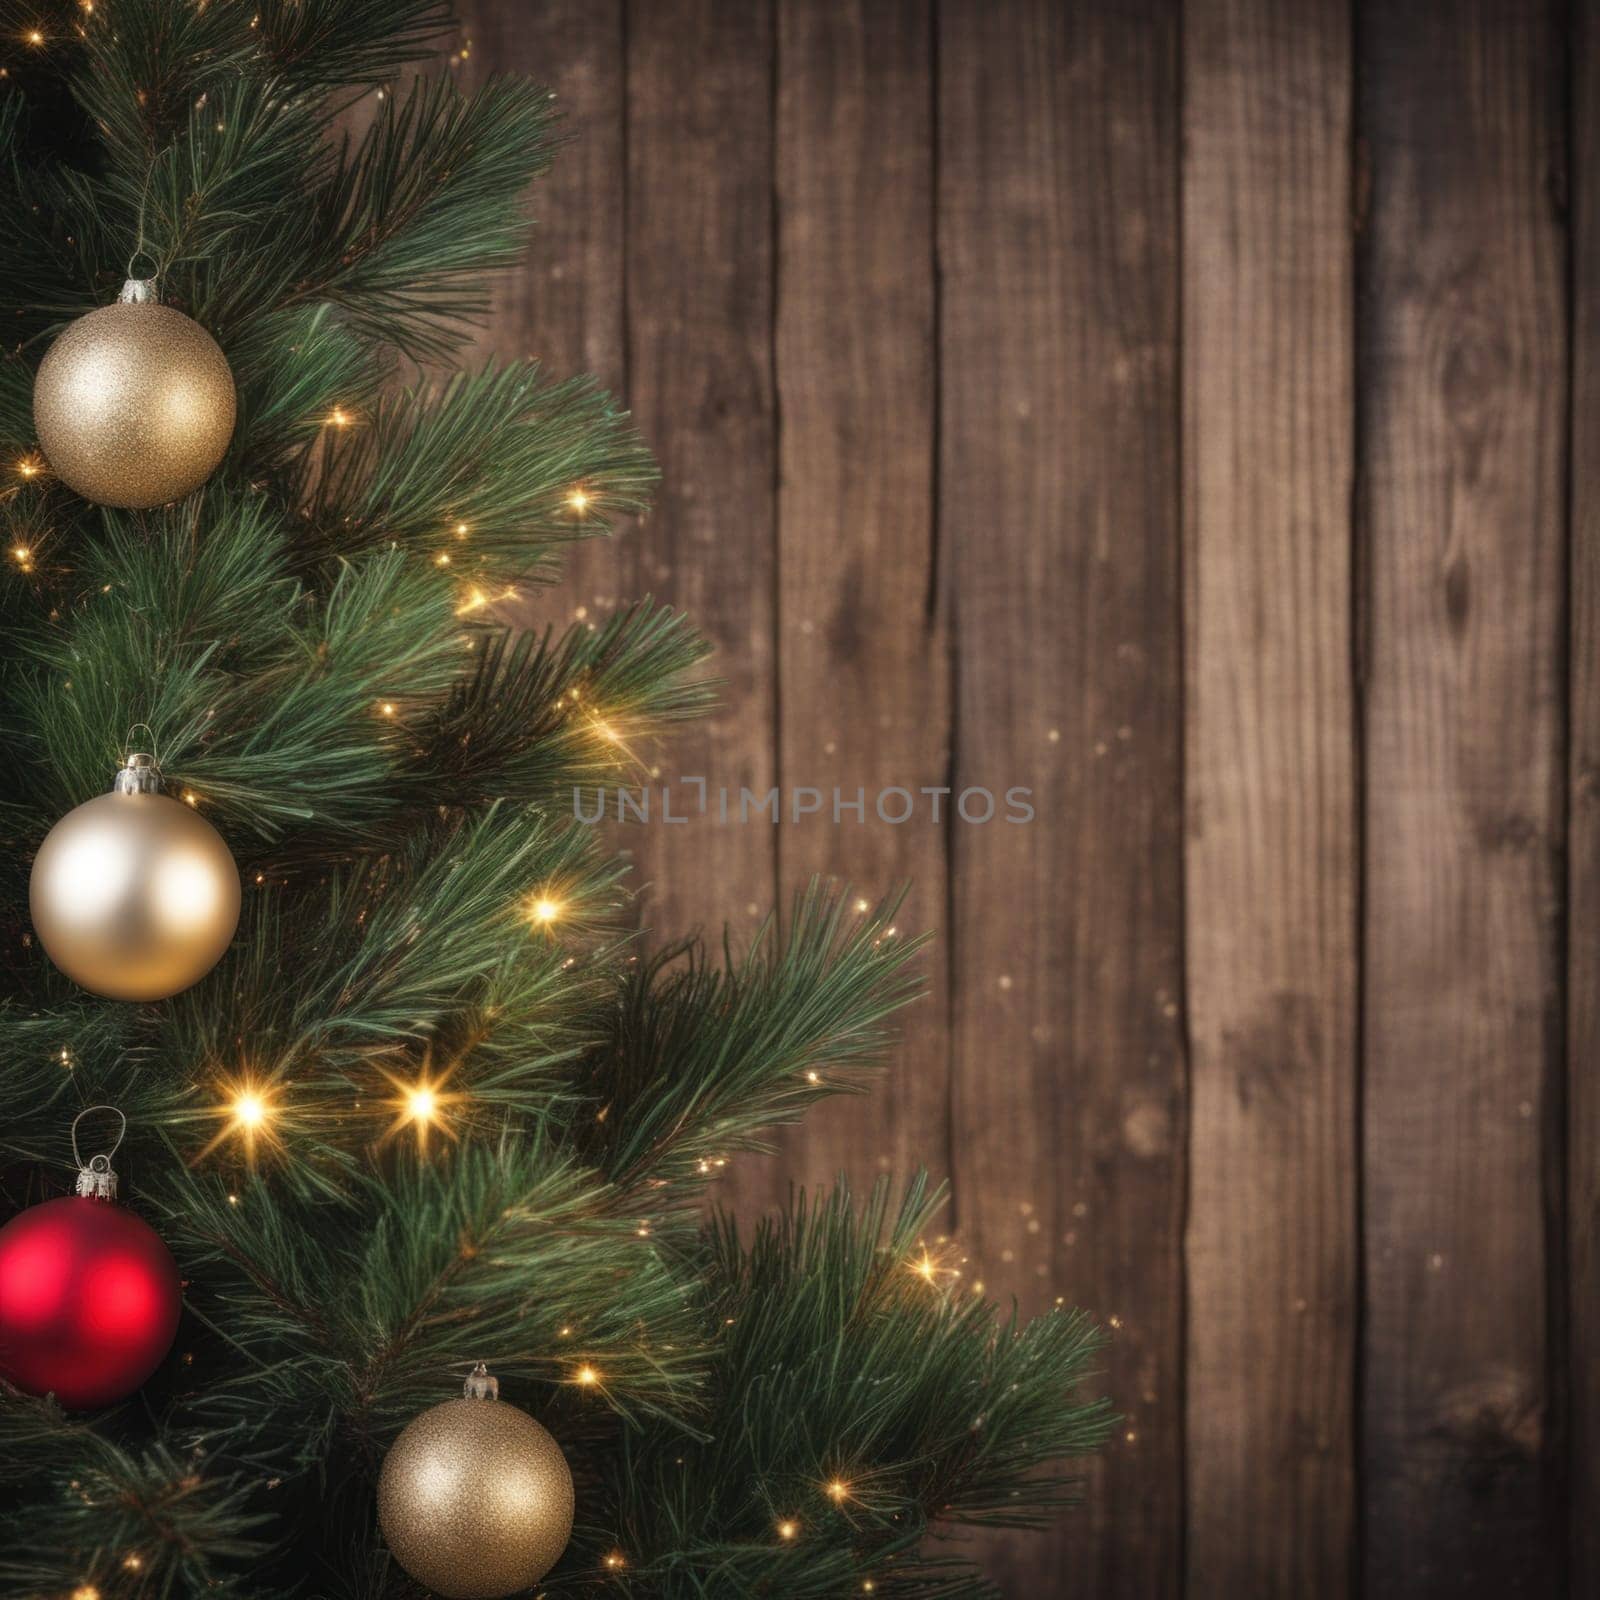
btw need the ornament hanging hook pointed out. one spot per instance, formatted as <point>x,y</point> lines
<point>122,1133</point>
<point>127,744</point>
<point>140,773</point>
<point>96,1180</point>
<point>480,1384</point>
<point>138,244</point>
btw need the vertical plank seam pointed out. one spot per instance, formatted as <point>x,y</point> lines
<point>775,399</point>
<point>1558,1150</point>
<point>1184,1184</point>
<point>1360,616</point>
<point>941,599</point>
<point>624,39</point>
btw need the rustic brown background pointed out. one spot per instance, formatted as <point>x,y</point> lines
<point>1188,412</point>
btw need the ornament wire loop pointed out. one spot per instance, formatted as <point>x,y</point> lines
<point>104,1157</point>
<point>127,744</point>
<point>138,243</point>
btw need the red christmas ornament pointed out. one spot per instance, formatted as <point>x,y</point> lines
<point>89,1295</point>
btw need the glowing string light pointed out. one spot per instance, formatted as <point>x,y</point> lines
<point>543,909</point>
<point>933,1269</point>
<point>477,599</point>
<point>423,1104</point>
<point>248,1114</point>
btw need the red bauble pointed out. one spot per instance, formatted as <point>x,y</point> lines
<point>89,1301</point>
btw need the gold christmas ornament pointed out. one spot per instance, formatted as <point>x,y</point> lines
<point>134,894</point>
<point>134,403</point>
<point>475,1498</point>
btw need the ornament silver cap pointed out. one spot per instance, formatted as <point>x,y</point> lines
<point>96,1180</point>
<point>138,774</point>
<point>138,292</point>
<point>481,1385</point>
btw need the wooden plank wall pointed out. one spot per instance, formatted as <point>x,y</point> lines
<point>1185,409</point>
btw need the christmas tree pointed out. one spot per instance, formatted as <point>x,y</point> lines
<point>420,1097</point>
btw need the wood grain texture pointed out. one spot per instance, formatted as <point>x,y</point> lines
<point>1583,762</point>
<point>864,668</point>
<point>1058,480</point>
<point>1271,850</point>
<point>1461,377</point>
<point>699,310</point>
<point>1310,805</point>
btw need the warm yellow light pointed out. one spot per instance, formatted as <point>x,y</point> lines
<point>132,1562</point>
<point>30,466</point>
<point>932,1269</point>
<point>190,798</point>
<point>339,417</point>
<point>23,557</point>
<point>33,36</point>
<point>86,1591</point>
<point>579,500</point>
<point>615,1560</point>
<point>442,559</point>
<point>788,1528</point>
<point>863,905</point>
<point>249,1110</point>
<point>868,1586</point>
<point>387,708</point>
<point>543,910</point>
<point>461,530</point>
<point>586,1377</point>
<point>838,1491</point>
<point>422,1104</point>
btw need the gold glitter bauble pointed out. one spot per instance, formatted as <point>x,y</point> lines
<point>134,403</point>
<point>475,1499</point>
<point>133,894</point>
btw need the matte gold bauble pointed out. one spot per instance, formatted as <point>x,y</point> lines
<point>134,895</point>
<point>475,1498</point>
<point>134,403</point>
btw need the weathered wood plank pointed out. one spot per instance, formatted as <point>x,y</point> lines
<point>1058,514</point>
<point>863,663</point>
<point>564,304</point>
<point>699,317</point>
<point>1583,879</point>
<point>1271,762</point>
<point>1460,370</point>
